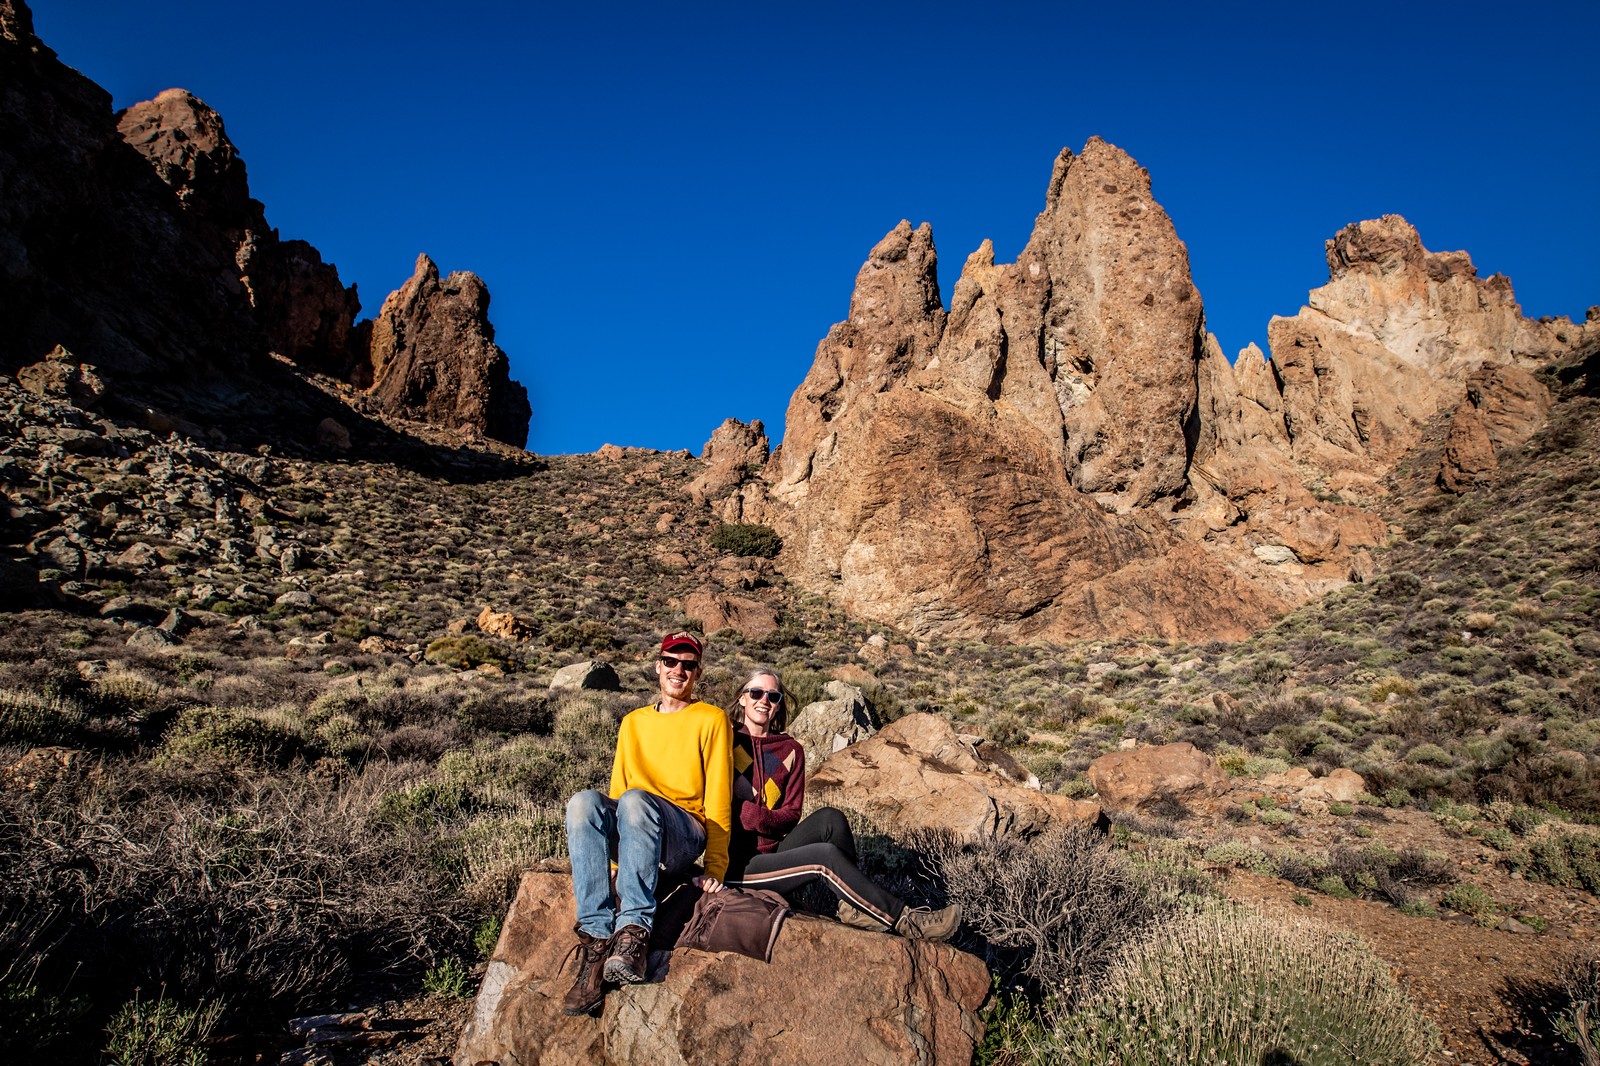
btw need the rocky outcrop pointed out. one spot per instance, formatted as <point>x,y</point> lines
<point>733,457</point>
<point>899,1001</point>
<point>1397,336</point>
<point>833,724</point>
<point>918,773</point>
<point>714,611</point>
<point>1066,453</point>
<point>433,357</point>
<point>1504,406</point>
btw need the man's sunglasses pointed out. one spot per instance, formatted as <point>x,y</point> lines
<point>767,694</point>
<point>690,665</point>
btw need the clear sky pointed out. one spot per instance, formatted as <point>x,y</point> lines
<point>669,202</point>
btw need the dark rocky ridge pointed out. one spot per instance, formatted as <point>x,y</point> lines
<point>132,241</point>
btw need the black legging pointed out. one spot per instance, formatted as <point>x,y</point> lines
<point>821,847</point>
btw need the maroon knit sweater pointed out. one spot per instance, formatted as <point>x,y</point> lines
<point>769,788</point>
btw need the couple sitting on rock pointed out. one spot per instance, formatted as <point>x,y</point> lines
<point>686,781</point>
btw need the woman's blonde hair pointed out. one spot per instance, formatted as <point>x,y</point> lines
<point>780,713</point>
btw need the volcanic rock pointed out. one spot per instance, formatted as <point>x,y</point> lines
<point>716,611</point>
<point>830,725</point>
<point>1503,408</point>
<point>899,1000</point>
<point>1137,780</point>
<point>732,453</point>
<point>1066,453</point>
<point>433,357</point>
<point>592,674</point>
<point>917,773</point>
<point>96,253</point>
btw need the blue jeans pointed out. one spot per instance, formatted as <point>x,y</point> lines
<point>644,834</point>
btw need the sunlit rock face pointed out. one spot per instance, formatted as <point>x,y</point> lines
<point>1065,452</point>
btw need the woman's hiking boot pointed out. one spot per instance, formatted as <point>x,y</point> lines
<point>589,990</point>
<point>921,923</point>
<point>630,954</point>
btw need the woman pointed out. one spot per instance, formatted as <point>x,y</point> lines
<point>771,846</point>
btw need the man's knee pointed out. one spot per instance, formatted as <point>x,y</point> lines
<point>637,812</point>
<point>587,808</point>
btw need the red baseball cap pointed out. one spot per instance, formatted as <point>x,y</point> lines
<point>681,640</point>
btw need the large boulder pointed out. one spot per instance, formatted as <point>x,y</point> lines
<point>594,675</point>
<point>919,773</point>
<point>1142,779</point>
<point>715,611</point>
<point>898,1000</point>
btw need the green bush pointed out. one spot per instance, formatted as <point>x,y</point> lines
<point>1233,987</point>
<point>1474,902</point>
<point>235,737</point>
<point>466,652</point>
<point>740,538</point>
<point>160,1033</point>
<point>449,979</point>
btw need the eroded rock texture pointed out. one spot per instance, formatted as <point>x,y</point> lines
<point>1065,452</point>
<point>898,1000</point>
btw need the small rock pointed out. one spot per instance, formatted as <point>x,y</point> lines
<point>591,674</point>
<point>295,598</point>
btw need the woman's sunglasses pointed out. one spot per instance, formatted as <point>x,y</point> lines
<point>767,694</point>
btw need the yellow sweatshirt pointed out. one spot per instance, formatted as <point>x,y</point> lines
<point>686,758</point>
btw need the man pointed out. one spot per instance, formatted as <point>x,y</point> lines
<point>670,798</point>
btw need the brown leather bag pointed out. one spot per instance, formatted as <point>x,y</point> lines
<point>743,920</point>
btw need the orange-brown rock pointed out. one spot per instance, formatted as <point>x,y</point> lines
<point>715,611</point>
<point>433,357</point>
<point>1138,779</point>
<point>898,1000</point>
<point>504,624</point>
<point>1392,340</point>
<point>1504,406</point>
<point>918,773</point>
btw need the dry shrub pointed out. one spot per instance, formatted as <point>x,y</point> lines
<point>1054,909</point>
<point>267,894</point>
<point>1234,986</point>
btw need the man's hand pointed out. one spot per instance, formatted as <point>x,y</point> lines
<point>708,885</point>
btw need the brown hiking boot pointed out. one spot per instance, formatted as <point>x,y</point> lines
<point>630,955</point>
<point>920,923</point>
<point>859,919</point>
<point>589,990</point>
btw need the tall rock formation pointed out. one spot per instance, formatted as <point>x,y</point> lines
<point>433,357</point>
<point>1392,340</point>
<point>1067,453</point>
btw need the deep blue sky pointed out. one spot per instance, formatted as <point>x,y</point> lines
<point>669,202</point>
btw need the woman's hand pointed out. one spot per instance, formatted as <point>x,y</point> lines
<point>708,885</point>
